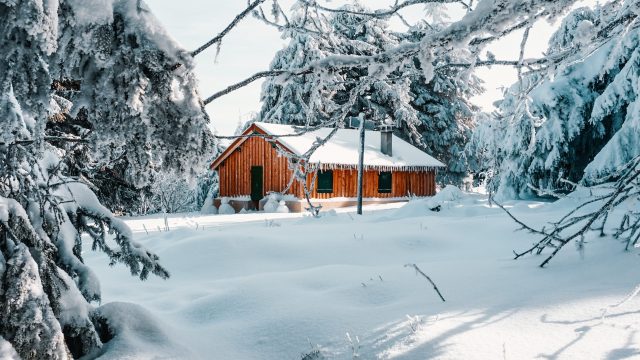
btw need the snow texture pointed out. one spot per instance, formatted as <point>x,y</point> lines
<point>137,334</point>
<point>265,286</point>
<point>225,208</point>
<point>6,350</point>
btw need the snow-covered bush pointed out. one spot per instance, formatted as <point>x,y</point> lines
<point>172,194</point>
<point>208,207</point>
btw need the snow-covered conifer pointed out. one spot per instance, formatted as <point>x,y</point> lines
<point>304,99</point>
<point>122,50</point>
<point>582,122</point>
<point>434,115</point>
<point>109,67</point>
<point>445,113</point>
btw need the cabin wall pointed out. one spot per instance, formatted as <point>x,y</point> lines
<point>235,176</point>
<point>403,183</point>
<point>235,171</point>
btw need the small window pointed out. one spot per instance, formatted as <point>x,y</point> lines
<point>384,182</point>
<point>325,182</point>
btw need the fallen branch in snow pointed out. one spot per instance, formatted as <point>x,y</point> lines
<point>626,188</point>
<point>426,277</point>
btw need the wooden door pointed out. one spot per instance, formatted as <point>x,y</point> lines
<point>257,175</point>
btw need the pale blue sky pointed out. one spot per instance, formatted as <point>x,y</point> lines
<point>250,47</point>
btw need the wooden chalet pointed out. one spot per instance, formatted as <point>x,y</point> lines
<point>253,166</point>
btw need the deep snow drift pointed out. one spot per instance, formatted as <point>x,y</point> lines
<point>279,286</point>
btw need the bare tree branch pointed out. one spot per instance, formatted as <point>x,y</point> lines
<point>252,78</point>
<point>226,30</point>
<point>627,187</point>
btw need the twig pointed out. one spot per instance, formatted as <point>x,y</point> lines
<point>226,30</point>
<point>426,277</point>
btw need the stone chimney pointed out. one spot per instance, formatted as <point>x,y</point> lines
<point>386,139</point>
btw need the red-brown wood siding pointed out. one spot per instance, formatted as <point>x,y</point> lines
<point>403,183</point>
<point>235,176</point>
<point>235,171</point>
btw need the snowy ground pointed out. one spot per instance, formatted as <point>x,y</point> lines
<point>278,286</point>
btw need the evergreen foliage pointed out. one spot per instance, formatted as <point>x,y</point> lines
<point>85,88</point>
<point>579,124</point>
<point>434,115</point>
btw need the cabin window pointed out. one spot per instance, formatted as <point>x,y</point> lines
<point>384,182</point>
<point>325,182</point>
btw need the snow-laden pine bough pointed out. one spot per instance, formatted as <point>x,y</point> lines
<point>46,288</point>
<point>623,195</point>
<point>102,80</point>
<point>555,125</point>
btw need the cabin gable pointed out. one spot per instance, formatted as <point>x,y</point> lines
<point>235,168</point>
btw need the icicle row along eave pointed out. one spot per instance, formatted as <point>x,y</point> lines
<point>413,168</point>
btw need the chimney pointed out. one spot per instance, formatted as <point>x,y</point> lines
<point>386,139</point>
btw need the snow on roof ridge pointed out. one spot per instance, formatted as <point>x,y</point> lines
<point>342,149</point>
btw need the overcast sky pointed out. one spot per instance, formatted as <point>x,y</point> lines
<point>250,47</point>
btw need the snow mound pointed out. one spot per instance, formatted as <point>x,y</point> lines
<point>449,193</point>
<point>282,207</point>
<point>225,208</point>
<point>445,198</point>
<point>271,205</point>
<point>136,334</point>
<point>6,350</point>
<point>413,208</point>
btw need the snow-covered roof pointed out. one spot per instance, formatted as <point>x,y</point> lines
<point>342,149</point>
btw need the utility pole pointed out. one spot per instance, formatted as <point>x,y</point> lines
<point>360,165</point>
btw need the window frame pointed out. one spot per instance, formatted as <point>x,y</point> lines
<point>327,176</point>
<point>385,190</point>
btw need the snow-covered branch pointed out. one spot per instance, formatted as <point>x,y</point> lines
<point>577,223</point>
<point>218,38</point>
<point>486,17</point>
<point>384,13</point>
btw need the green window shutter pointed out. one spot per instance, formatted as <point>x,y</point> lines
<point>325,182</point>
<point>384,182</point>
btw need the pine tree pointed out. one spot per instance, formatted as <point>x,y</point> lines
<point>123,158</point>
<point>434,115</point>
<point>445,114</point>
<point>582,123</point>
<point>111,74</point>
<point>301,100</point>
